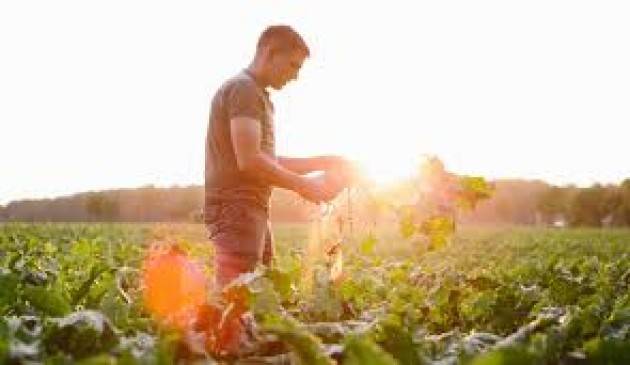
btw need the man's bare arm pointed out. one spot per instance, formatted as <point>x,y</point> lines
<point>304,165</point>
<point>246,136</point>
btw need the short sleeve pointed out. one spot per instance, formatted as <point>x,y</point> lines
<point>243,100</point>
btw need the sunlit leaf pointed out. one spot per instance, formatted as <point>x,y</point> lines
<point>362,351</point>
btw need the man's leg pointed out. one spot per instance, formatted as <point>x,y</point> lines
<point>238,232</point>
<point>228,266</point>
<point>239,241</point>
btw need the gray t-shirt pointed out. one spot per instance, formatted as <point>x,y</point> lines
<point>240,96</point>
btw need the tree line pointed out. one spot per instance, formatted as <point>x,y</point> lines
<point>521,202</point>
<point>143,204</point>
<point>595,206</point>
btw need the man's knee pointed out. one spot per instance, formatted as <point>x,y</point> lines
<point>228,266</point>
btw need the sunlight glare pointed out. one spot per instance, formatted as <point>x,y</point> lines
<point>383,170</point>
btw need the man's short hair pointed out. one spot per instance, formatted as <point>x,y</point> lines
<point>282,38</point>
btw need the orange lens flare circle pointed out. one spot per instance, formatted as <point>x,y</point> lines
<point>174,287</point>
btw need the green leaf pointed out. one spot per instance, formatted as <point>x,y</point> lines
<point>4,344</point>
<point>9,283</point>
<point>608,351</point>
<point>507,356</point>
<point>306,346</point>
<point>47,301</point>
<point>84,289</point>
<point>367,244</point>
<point>438,230</point>
<point>406,225</point>
<point>99,360</point>
<point>281,280</point>
<point>398,341</point>
<point>362,351</point>
<point>472,190</point>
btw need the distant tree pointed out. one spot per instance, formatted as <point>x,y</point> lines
<point>621,214</point>
<point>553,202</point>
<point>184,206</point>
<point>149,198</point>
<point>589,207</point>
<point>101,207</point>
<point>611,202</point>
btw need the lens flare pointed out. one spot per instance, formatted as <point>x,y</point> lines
<point>384,170</point>
<point>174,286</point>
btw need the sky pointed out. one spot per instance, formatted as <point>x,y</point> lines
<point>97,95</point>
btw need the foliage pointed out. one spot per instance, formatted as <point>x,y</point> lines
<point>441,195</point>
<point>71,294</point>
<point>362,351</point>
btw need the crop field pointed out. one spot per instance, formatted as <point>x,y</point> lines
<point>74,294</point>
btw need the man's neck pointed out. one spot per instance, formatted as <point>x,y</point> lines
<point>257,73</point>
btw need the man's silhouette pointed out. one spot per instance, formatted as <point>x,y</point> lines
<point>241,163</point>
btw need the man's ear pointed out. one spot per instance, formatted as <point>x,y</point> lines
<point>267,52</point>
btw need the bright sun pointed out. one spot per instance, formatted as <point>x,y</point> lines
<point>387,168</point>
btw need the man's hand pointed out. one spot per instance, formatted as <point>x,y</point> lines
<point>342,171</point>
<point>286,173</point>
<point>340,174</point>
<point>316,190</point>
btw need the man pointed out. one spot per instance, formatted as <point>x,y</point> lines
<point>241,164</point>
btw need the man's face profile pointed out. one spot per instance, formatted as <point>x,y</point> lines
<point>285,66</point>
